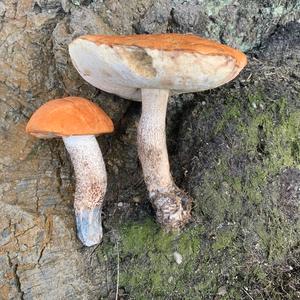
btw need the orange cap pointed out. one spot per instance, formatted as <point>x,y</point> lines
<point>69,116</point>
<point>181,63</point>
<point>171,42</point>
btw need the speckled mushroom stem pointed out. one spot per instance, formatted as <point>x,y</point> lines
<point>91,181</point>
<point>172,205</point>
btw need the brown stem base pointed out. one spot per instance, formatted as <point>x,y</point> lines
<point>173,208</point>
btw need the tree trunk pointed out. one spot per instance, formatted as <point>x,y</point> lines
<point>235,150</point>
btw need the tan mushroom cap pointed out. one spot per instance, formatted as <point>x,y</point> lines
<point>123,65</point>
<point>69,116</point>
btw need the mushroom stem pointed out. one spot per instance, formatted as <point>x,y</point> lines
<point>91,184</point>
<point>152,145</point>
<point>172,205</point>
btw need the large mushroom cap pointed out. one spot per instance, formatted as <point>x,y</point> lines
<point>123,65</point>
<point>69,116</point>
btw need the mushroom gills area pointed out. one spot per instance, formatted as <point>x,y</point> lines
<point>171,204</point>
<point>91,181</point>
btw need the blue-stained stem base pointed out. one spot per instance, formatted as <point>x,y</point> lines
<point>89,227</point>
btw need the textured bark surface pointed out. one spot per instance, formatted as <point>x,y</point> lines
<point>235,150</point>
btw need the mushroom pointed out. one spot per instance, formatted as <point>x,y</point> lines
<point>77,121</point>
<point>146,68</point>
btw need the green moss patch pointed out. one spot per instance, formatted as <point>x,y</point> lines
<point>148,267</point>
<point>242,228</point>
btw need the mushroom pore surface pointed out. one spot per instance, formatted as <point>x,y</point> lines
<point>125,68</point>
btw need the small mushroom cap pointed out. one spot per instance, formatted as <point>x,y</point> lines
<point>69,116</point>
<point>123,65</point>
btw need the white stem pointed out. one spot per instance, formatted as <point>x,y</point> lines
<point>152,147</point>
<point>90,172</point>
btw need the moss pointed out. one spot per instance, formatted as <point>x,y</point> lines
<point>229,116</point>
<point>147,259</point>
<point>268,132</point>
<point>244,231</point>
<point>148,268</point>
<point>224,239</point>
<point>274,134</point>
<point>138,236</point>
<point>276,235</point>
